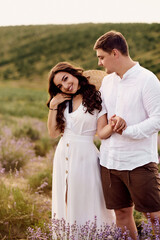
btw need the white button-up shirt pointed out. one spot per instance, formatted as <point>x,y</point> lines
<point>136,99</point>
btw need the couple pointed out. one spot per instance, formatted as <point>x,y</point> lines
<point>127,120</point>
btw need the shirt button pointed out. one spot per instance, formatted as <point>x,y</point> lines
<point>66,158</point>
<point>67,144</point>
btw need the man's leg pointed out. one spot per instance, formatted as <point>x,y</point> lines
<point>145,190</point>
<point>117,197</point>
<point>124,218</point>
<point>154,216</point>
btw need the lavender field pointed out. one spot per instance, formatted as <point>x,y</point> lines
<point>26,155</point>
<point>26,151</point>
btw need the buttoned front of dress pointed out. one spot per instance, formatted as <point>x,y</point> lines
<point>77,192</point>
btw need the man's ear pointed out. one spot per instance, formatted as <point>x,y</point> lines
<point>115,52</point>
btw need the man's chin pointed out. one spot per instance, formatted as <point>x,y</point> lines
<point>108,72</point>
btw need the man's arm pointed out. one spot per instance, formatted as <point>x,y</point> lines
<point>151,101</point>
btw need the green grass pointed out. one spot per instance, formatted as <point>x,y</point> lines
<point>23,102</point>
<point>17,212</point>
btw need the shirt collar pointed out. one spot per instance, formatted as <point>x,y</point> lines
<point>131,70</point>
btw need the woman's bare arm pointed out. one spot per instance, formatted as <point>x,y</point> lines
<point>52,123</point>
<point>104,130</point>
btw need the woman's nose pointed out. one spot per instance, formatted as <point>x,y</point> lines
<point>65,85</point>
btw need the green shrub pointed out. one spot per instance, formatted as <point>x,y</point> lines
<point>42,181</point>
<point>139,217</point>
<point>27,131</point>
<point>42,146</point>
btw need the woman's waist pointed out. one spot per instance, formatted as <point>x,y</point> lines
<point>69,135</point>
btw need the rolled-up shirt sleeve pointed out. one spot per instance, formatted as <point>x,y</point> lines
<point>151,102</point>
<point>104,110</point>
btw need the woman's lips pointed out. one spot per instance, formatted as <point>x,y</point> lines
<point>70,88</point>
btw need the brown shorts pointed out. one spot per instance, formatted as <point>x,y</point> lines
<point>140,186</point>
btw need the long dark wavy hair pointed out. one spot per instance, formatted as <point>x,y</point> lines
<point>91,98</point>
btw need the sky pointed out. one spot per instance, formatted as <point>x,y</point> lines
<point>35,12</point>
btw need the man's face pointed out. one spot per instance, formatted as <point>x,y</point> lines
<point>106,60</point>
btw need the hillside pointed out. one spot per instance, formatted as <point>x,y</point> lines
<point>29,52</point>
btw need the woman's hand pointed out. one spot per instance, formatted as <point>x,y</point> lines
<point>52,122</point>
<point>112,122</point>
<point>59,98</point>
<point>119,124</point>
<point>104,128</point>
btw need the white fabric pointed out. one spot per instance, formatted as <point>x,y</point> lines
<point>135,98</point>
<point>76,163</point>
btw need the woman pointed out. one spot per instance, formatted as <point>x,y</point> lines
<point>74,108</point>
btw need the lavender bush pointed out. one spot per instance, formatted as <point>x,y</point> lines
<point>17,212</point>
<point>37,132</point>
<point>60,230</point>
<point>14,153</point>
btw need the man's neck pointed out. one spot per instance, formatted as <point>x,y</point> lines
<point>125,64</point>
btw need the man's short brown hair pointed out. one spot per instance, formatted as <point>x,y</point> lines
<point>111,40</point>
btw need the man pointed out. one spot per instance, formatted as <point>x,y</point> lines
<point>129,158</point>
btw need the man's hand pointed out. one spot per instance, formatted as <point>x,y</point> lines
<point>120,124</point>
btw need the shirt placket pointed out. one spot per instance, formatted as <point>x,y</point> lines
<point>117,108</point>
<point>118,101</point>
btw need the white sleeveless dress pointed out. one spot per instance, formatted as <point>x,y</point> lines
<point>76,165</point>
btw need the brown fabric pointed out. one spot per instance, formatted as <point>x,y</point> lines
<point>140,186</point>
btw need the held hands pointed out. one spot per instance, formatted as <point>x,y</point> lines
<point>118,124</point>
<point>59,98</point>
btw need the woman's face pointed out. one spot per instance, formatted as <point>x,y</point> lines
<point>66,82</point>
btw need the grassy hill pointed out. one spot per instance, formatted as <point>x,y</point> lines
<point>29,52</point>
